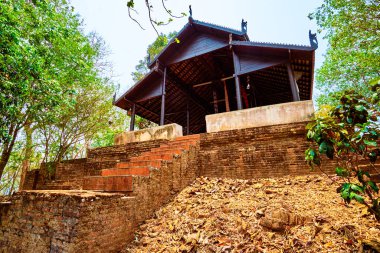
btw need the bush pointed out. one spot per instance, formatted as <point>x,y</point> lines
<point>350,134</point>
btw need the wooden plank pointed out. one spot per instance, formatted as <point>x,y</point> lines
<point>226,96</point>
<point>251,63</point>
<point>198,44</point>
<point>293,84</point>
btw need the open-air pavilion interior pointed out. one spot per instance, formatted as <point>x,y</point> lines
<point>215,69</point>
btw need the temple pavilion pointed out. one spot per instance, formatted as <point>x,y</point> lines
<point>216,69</point>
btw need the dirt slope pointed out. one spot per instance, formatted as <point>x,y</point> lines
<point>302,214</point>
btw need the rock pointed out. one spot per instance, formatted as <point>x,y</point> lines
<point>259,213</point>
<point>278,219</point>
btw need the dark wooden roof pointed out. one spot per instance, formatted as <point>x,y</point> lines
<point>195,26</point>
<point>196,65</point>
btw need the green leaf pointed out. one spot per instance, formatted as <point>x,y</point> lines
<point>356,188</point>
<point>360,108</point>
<point>345,194</point>
<point>130,4</point>
<point>373,186</point>
<point>341,172</point>
<point>358,198</point>
<point>370,143</point>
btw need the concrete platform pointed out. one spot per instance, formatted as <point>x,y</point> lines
<point>166,132</point>
<point>278,114</point>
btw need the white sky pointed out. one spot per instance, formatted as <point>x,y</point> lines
<point>277,21</point>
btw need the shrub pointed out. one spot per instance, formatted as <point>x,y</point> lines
<point>350,135</point>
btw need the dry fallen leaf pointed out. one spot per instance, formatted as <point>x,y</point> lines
<point>224,215</point>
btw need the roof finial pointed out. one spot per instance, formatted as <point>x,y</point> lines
<point>313,40</point>
<point>244,26</point>
<point>190,11</point>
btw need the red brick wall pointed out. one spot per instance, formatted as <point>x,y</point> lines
<point>74,222</point>
<point>105,223</point>
<point>270,151</point>
<point>70,173</point>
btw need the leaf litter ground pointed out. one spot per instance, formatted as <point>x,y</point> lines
<point>289,214</point>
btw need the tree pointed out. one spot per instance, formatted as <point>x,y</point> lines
<point>353,55</point>
<point>44,54</point>
<point>350,134</point>
<point>149,7</point>
<point>142,68</point>
<point>152,51</point>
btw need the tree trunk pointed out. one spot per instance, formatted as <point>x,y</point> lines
<point>7,149</point>
<point>14,178</point>
<point>28,154</point>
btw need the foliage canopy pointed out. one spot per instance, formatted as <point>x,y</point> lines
<point>353,55</point>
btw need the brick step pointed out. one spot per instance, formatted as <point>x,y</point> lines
<point>181,142</point>
<point>165,152</point>
<point>188,137</point>
<point>176,145</point>
<point>108,183</point>
<point>152,157</point>
<point>131,171</point>
<point>153,163</point>
<point>56,186</point>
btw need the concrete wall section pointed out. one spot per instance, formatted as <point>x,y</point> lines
<point>261,116</point>
<point>166,132</point>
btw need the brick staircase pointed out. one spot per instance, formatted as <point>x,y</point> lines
<point>120,178</point>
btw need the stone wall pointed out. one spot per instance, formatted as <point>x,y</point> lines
<point>42,221</point>
<point>83,221</point>
<point>270,151</point>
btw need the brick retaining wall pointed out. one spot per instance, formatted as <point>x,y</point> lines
<point>270,151</point>
<point>68,221</point>
<point>81,221</point>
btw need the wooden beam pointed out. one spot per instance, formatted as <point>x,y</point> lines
<point>293,84</point>
<point>189,93</point>
<point>210,82</point>
<point>145,109</point>
<point>237,80</point>
<point>163,92</point>
<point>133,114</point>
<point>226,96</point>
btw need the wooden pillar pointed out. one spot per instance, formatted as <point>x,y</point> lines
<point>226,96</point>
<point>163,92</point>
<point>237,80</point>
<point>293,84</point>
<point>187,118</point>
<point>215,96</point>
<point>133,115</point>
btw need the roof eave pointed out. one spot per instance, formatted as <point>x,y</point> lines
<point>273,45</point>
<point>135,86</point>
